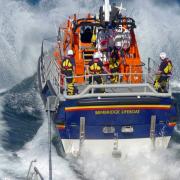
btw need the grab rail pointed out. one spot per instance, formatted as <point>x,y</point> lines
<point>144,86</point>
<point>33,172</point>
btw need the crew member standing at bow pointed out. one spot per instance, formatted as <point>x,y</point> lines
<point>163,74</point>
<point>68,67</point>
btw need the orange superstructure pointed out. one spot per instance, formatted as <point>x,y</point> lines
<point>84,37</point>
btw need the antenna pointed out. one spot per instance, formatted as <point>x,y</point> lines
<point>121,8</point>
<point>78,13</point>
<point>107,10</point>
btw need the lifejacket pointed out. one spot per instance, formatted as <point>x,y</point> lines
<point>96,67</point>
<point>67,65</point>
<point>114,60</point>
<point>166,66</point>
<point>113,63</point>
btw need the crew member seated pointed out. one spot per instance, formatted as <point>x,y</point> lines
<point>86,35</point>
<point>163,75</point>
<point>68,67</point>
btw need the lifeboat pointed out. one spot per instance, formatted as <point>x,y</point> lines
<point>128,114</point>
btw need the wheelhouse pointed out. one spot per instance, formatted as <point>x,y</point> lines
<point>88,35</point>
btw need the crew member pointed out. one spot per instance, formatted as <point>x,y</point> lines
<point>96,68</point>
<point>164,73</point>
<point>114,62</point>
<point>68,67</point>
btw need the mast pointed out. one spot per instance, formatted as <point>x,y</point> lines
<point>106,10</point>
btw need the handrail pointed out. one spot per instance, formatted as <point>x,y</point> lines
<point>85,92</point>
<point>147,79</point>
<point>154,64</point>
<point>38,173</point>
<point>29,169</point>
<point>97,24</point>
<point>139,89</point>
<point>33,173</point>
<point>136,65</point>
<point>52,72</point>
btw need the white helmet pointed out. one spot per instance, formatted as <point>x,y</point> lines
<point>70,52</point>
<point>162,55</point>
<point>118,44</point>
<point>96,55</point>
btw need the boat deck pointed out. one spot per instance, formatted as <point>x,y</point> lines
<point>50,71</point>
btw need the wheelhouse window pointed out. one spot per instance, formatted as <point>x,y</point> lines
<point>86,34</point>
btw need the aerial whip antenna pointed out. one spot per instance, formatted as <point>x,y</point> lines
<point>121,8</point>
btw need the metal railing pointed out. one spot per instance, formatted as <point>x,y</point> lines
<point>33,172</point>
<point>144,88</point>
<point>52,71</point>
<point>86,89</point>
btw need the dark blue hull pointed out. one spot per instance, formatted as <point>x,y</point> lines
<point>110,118</point>
<point>99,116</point>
